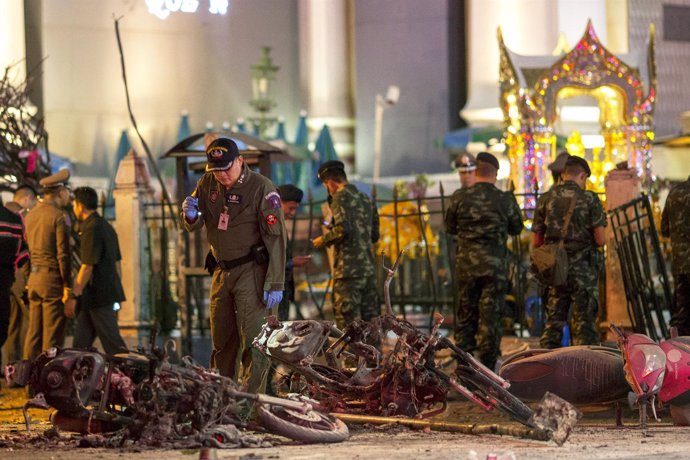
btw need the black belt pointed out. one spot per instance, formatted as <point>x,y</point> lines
<point>230,264</point>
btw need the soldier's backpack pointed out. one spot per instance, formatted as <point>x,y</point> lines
<point>550,261</point>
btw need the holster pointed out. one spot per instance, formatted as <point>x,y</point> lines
<point>210,264</point>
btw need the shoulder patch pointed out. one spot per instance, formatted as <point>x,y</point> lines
<point>273,200</point>
<point>271,219</point>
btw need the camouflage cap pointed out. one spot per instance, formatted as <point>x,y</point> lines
<point>580,163</point>
<point>220,154</point>
<point>465,162</point>
<point>59,179</point>
<point>289,192</point>
<point>558,164</point>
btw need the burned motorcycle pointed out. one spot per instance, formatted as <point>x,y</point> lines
<point>406,381</point>
<point>142,394</point>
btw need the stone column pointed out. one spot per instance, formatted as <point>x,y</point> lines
<point>132,193</point>
<point>12,45</point>
<point>622,186</point>
<point>326,74</point>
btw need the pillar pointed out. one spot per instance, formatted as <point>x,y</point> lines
<point>622,186</point>
<point>12,45</point>
<point>132,193</point>
<point>325,70</point>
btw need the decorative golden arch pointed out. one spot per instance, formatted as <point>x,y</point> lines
<point>532,85</point>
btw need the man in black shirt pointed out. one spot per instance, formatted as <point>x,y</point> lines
<point>13,253</point>
<point>97,287</point>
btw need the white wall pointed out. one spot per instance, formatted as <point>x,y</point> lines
<point>200,62</point>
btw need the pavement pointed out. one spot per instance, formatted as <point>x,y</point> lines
<point>595,437</point>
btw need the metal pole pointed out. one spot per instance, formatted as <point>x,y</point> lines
<point>466,428</point>
<point>379,107</point>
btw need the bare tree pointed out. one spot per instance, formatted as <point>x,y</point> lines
<point>21,134</point>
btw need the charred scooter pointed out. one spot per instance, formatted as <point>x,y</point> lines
<point>404,382</point>
<point>135,391</point>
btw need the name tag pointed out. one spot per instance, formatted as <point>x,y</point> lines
<point>233,198</point>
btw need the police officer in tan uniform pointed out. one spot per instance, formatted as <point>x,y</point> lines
<point>50,281</point>
<point>466,165</point>
<point>244,222</point>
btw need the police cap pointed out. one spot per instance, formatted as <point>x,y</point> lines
<point>558,165</point>
<point>578,162</point>
<point>59,179</point>
<point>486,157</point>
<point>465,162</point>
<point>220,154</point>
<point>289,192</point>
<point>329,167</point>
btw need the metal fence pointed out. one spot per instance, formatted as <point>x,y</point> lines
<point>425,282</point>
<point>643,268</point>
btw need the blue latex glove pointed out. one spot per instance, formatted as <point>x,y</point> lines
<point>272,298</point>
<point>190,206</point>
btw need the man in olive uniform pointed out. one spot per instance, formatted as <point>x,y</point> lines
<point>291,197</point>
<point>242,213</point>
<point>50,281</point>
<point>675,223</point>
<point>482,217</point>
<point>23,200</point>
<point>354,227</point>
<point>466,165</point>
<point>584,234</point>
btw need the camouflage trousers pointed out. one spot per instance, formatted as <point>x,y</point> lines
<point>355,298</point>
<point>579,298</point>
<point>680,317</point>
<point>478,326</point>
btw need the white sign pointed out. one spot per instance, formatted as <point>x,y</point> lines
<point>163,8</point>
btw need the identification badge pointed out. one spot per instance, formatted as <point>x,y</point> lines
<point>223,221</point>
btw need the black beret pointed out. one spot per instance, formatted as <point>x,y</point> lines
<point>328,167</point>
<point>558,165</point>
<point>220,154</point>
<point>486,157</point>
<point>289,192</point>
<point>578,162</point>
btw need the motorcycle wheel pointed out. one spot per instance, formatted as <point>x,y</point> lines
<point>505,400</point>
<point>311,427</point>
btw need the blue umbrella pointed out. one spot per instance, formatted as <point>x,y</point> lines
<point>302,169</point>
<point>281,172</point>
<point>183,131</point>
<point>123,148</point>
<point>324,149</point>
<point>241,126</point>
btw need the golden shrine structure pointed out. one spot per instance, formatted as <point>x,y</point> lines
<point>624,88</point>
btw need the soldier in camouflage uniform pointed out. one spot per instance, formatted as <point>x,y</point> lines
<point>675,223</point>
<point>355,226</point>
<point>242,213</point>
<point>482,217</point>
<point>584,234</point>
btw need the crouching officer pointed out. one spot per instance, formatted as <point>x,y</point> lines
<point>245,228</point>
